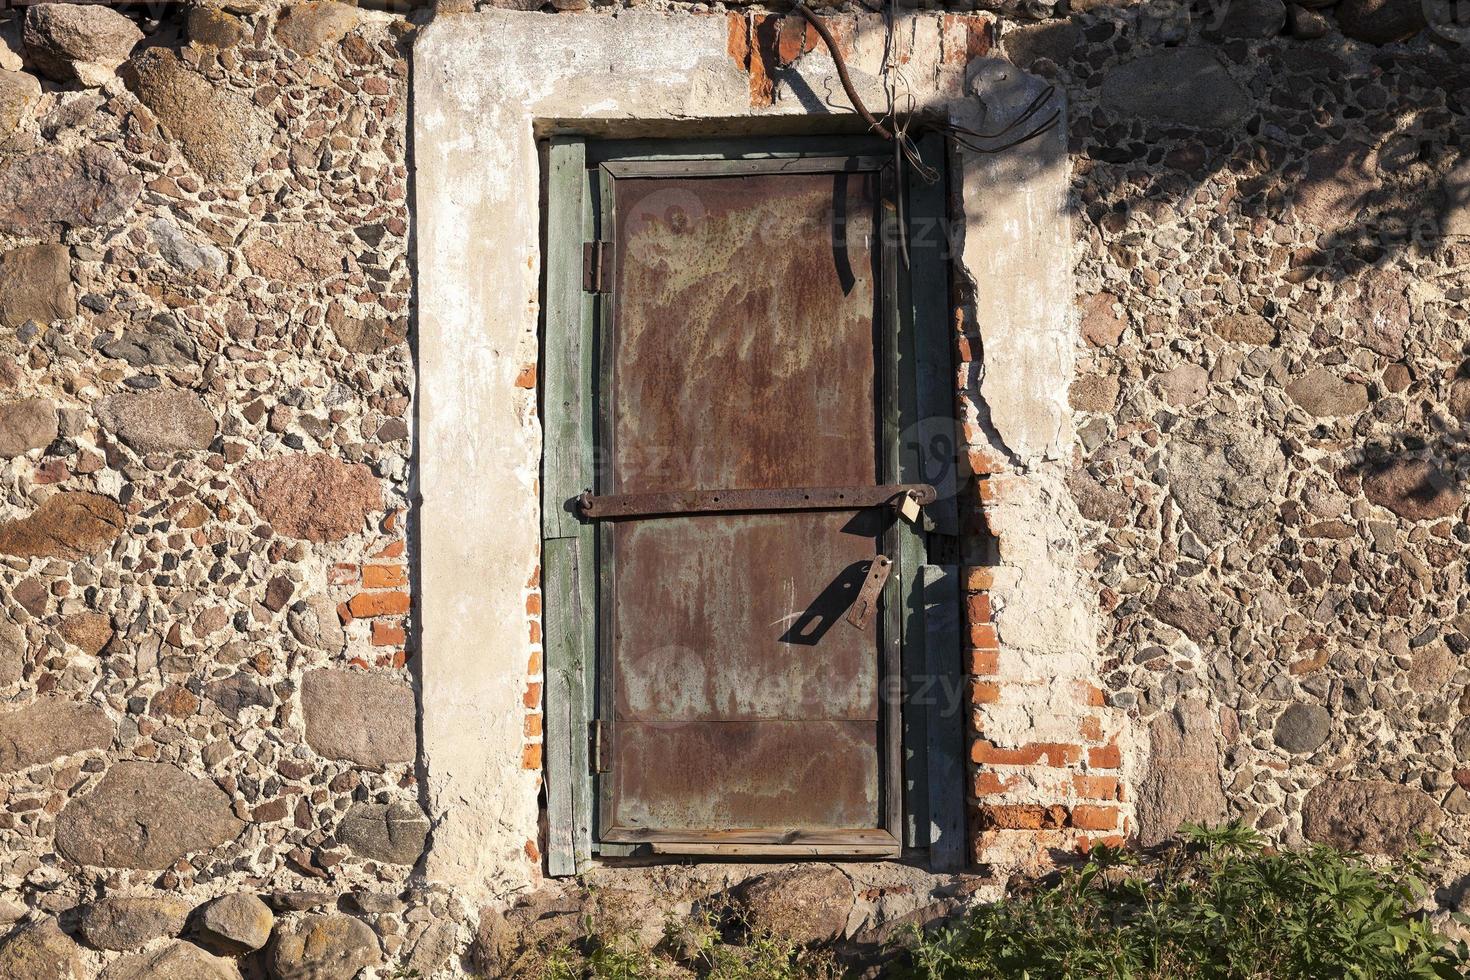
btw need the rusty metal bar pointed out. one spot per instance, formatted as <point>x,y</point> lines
<point>593,507</point>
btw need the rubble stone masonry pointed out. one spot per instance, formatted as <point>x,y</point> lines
<point>210,719</point>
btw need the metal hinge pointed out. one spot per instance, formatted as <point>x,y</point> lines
<point>597,267</point>
<point>599,748</point>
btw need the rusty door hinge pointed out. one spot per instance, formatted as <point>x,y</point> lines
<point>597,267</point>
<point>599,748</point>
<point>866,603</point>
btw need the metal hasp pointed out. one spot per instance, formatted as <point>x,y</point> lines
<point>861,612</point>
<point>594,507</point>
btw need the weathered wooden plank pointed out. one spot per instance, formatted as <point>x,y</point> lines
<point>563,390</point>
<point>565,469</point>
<point>946,717</point>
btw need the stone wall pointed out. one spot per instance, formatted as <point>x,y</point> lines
<point>208,657</point>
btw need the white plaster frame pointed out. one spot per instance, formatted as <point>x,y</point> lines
<point>486,86</point>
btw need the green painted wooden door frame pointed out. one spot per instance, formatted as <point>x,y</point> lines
<point>926,613</point>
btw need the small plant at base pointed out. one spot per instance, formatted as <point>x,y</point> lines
<point>1221,905</point>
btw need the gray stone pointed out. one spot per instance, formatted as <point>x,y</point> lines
<point>215,28</point>
<point>18,92</point>
<point>42,952</point>
<point>296,253</point>
<point>1094,501</point>
<point>1324,395</point>
<point>390,832</point>
<point>365,334</point>
<point>1459,400</point>
<point>176,961</point>
<point>1182,784</point>
<point>236,923</point>
<point>1371,816</point>
<point>1223,471</point>
<point>1381,21</point>
<point>1339,182</point>
<point>1379,317</point>
<point>1302,728</point>
<point>1454,219</point>
<point>1055,41</point>
<point>222,134</point>
<point>1192,610</point>
<point>129,923</point>
<point>159,343</point>
<point>317,497</point>
<point>50,728</point>
<point>807,904</point>
<point>1183,385</point>
<point>1460,740</point>
<point>66,525</point>
<point>183,252</point>
<point>358,717</point>
<point>305,28</point>
<point>35,284</point>
<point>322,947</point>
<point>1245,328</point>
<point>433,950</point>
<point>44,192</point>
<point>25,425</point>
<point>1306,24</point>
<point>163,421</point>
<point>79,43</point>
<point>1414,489</point>
<point>238,692</point>
<point>145,815</point>
<point>12,653</point>
<point>1250,19</point>
<point>1177,87</point>
<point>314,622</point>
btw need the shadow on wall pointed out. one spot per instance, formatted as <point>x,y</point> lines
<point>1347,159</point>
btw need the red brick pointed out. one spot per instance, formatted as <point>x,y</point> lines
<point>1092,729</point>
<point>533,604</point>
<point>531,756</point>
<point>977,607</point>
<point>394,550</point>
<point>533,663</point>
<point>368,604</point>
<point>985,662</point>
<point>1054,754</point>
<point>527,377</point>
<point>982,637</point>
<point>979,578</point>
<point>984,692</point>
<point>984,461</point>
<point>388,634</point>
<point>535,631</point>
<point>384,576</point>
<point>1106,757</point>
<point>532,698</point>
<point>991,784</point>
<point>533,726</point>
<point>342,574</point>
<point>1023,816</point>
<point>1095,787</point>
<point>1086,817</point>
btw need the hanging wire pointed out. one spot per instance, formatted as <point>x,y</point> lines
<point>897,124</point>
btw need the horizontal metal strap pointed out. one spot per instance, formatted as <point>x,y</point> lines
<point>617,505</point>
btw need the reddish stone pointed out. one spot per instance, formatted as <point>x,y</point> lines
<point>67,525</point>
<point>316,497</point>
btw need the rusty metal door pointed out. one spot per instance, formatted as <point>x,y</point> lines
<point>744,413</point>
